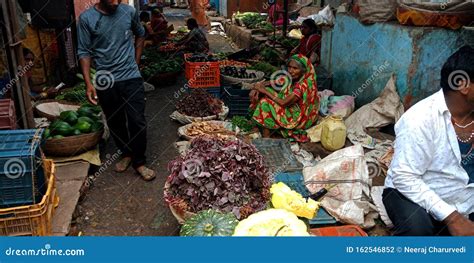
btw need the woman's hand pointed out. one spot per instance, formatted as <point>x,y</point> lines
<point>254,96</point>
<point>260,86</point>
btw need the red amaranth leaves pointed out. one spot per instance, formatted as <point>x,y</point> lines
<point>229,176</point>
<point>199,103</point>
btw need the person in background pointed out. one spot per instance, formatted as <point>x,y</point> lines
<point>310,44</point>
<point>110,36</point>
<point>429,189</point>
<point>195,41</point>
<point>275,14</point>
<point>159,27</point>
<point>292,110</point>
<point>198,11</point>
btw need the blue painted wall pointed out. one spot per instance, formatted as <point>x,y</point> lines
<point>361,58</point>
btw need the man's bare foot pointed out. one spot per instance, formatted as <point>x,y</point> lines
<point>146,173</point>
<point>122,165</point>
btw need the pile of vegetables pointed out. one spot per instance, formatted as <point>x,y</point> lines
<point>266,26</point>
<point>76,94</point>
<point>270,55</point>
<point>160,67</point>
<point>237,72</point>
<point>196,129</point>
<point>264,67</point>
<point>70,123</point>
<point>251,19</point>
<point>228,176</point>
<point>243,123</point>
<point>285,41</point>
<point>201,57</point>
<point>199,103</point>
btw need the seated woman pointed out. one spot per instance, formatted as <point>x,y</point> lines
<point>310,44</point>
<point>295,108</point>
<point>195,41</point>
<point>158,29</point>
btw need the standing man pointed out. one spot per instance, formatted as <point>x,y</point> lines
<point>106,34</point>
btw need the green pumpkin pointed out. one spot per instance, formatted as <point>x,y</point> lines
<point>209,223</point>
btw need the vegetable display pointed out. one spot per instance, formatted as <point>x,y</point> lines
<point>76,94</point>
<point>209,128</point>
<point>71,123</point>
<point>228,176</point>
<point>270,55</point>
<point>250,19</point>
<point>159,67</point>
<point>238,72</point>
<point>209,223</point>
<point>243,123</point>
<point>199,103</point>
<point>265,67</point>
<point>200,57</point>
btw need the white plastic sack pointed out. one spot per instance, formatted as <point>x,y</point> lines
<point>349,200</point>
<point>184,119</point>
<point>323,17</point>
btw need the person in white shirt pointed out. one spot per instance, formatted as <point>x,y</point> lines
<point>429,189</point>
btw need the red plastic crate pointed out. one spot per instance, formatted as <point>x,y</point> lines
<point>202,74</point>
<point>7,115</point>
<point>339,231</point>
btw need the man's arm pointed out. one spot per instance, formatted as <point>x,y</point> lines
<point>139,32</point>
<point>139,43</point>
<point>84,53</point>
<point>86,69</point>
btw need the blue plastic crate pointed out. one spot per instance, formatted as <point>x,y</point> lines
<point>277,154</point>
<point>295,181</point>
<point>22,179</point>
<point>238,101</point>
<point>216,92</point>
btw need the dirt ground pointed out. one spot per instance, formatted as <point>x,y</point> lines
<point>124,204</point>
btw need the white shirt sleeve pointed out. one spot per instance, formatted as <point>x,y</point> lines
<point>414,149</point>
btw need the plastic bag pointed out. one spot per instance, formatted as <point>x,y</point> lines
<point>323,17</point>
<point>349,200</point>
<point>324,101</point>
<point>342,106</point>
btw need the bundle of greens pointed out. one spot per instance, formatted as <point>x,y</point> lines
<point>243,123</point>
<point>160,67</point>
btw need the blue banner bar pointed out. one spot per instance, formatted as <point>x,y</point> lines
<point>176,249</point>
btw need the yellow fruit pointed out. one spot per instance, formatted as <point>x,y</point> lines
<point>285,198</point>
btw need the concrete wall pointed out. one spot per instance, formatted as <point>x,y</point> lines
<point>361,58</point>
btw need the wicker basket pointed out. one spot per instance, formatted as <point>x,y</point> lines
<point>48,115</point>
<point>233,81</point>
<point>73,145</point>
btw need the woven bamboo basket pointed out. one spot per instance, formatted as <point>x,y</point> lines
<point>49,115</point>
<point>73,145</point>
<point>179,214</point>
